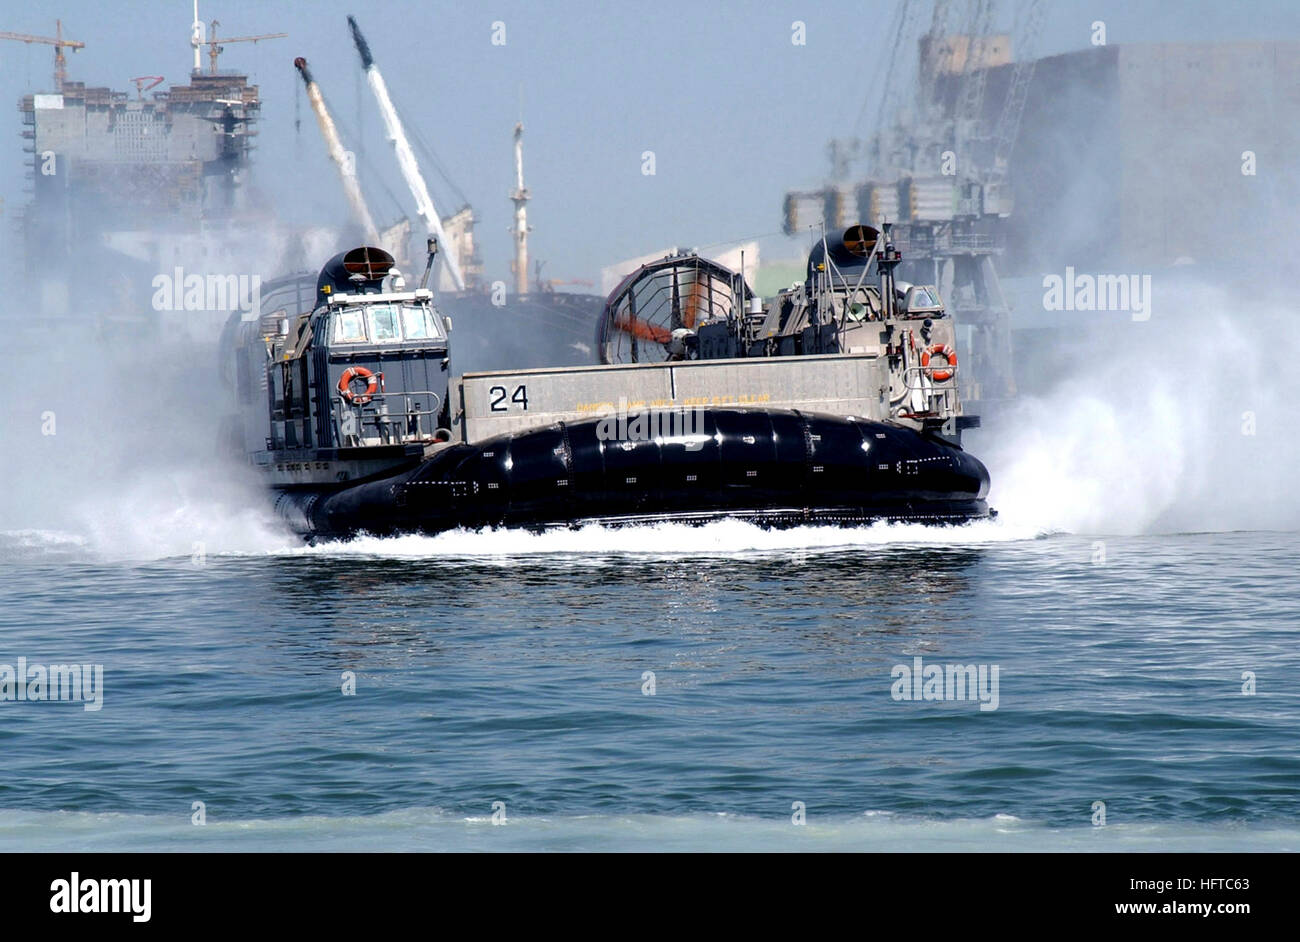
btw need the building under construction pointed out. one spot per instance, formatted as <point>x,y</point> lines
<point>143,179</point>
<point>172,160</point>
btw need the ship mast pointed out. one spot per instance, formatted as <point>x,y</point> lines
<point>520,198</point>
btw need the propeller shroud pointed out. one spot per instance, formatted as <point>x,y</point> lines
<point>647,318</point>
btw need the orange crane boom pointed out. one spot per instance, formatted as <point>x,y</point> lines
<point>59,44</point>
<point>141,87</point>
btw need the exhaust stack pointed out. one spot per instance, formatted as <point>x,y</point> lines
<point>405,157</point>
<point>347,169</point>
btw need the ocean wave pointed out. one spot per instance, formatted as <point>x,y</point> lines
<point>435,829</point>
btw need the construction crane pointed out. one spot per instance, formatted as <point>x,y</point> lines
<point>1008,126</point>
<point>59,44</point>
<point>932,54</point>
<point>883,145</point>
<point>969,111</point>
<point>214,48</point>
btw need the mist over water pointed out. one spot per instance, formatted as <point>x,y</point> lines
<point>1176,424</point>
<point>1143,430</point>
<point>133,469</point>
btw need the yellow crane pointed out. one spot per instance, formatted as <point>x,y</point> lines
<point>59,44</point>
<point>214,48</point>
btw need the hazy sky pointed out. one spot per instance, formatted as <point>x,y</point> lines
<point>734,112</point>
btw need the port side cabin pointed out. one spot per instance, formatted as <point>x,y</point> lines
<point>342,380</point>
<point>362,370</point>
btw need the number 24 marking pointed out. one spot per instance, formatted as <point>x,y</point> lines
<point>497,400</point>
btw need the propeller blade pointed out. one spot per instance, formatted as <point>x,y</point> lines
<point>640,329</point>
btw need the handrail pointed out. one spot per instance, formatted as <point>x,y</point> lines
<point>391,426</point>
<point>942,398</point>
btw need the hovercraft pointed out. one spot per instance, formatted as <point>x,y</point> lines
<point>837,402</point>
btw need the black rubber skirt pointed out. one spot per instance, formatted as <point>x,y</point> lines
<point>773,467</point>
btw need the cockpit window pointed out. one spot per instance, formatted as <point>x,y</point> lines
<point>418,323</point>
<point>386,323</point>
<point>921,297</point>
<point>349,327</point>
<point>383,323</point>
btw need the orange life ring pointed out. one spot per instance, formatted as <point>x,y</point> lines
<point>946,351</point>
<point>358,372</point>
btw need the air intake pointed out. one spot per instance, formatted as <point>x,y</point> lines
<point>356,271</point>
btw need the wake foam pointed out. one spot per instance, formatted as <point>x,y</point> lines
<point>717,538</point>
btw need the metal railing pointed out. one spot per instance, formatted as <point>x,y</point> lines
<point>925,241</point>
<point>938,399</point>
<point>386,419</point>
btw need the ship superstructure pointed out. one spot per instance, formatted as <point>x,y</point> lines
<point>1003,167</point>
<point>936,164</point>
